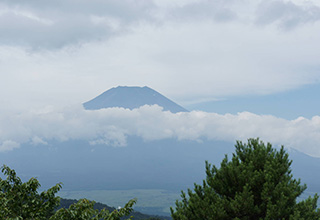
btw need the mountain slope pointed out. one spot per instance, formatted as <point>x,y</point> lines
<point>131,98</point>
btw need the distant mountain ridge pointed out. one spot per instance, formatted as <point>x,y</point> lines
<point>132,97</point>
<point>65,203</point>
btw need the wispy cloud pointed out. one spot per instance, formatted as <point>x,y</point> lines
<point>286,14</point>
<point>8,145</point>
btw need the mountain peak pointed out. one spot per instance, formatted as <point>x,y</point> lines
<point>132,97</point>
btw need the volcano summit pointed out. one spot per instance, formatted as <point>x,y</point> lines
<point>131,98</point>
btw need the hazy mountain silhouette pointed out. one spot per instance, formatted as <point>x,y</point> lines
<point>131,98</point>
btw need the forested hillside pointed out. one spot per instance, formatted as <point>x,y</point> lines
<point>65,203</point>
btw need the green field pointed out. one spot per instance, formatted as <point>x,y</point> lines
<point>150,201</point>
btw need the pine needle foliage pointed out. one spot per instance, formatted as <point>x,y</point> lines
<point>256,184</point>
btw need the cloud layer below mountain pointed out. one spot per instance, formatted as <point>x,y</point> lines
<point>112,127</point>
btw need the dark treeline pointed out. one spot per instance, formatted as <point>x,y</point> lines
<point>65,203</point>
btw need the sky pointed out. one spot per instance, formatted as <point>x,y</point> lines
<point>55,55</point>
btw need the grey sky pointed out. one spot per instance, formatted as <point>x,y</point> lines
<point>76,49</point>
<point>65,52</point>
<point>55,24</point>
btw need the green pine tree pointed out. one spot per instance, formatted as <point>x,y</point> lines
<point>255,184</point>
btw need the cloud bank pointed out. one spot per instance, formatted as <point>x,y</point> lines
<point>112,127</point>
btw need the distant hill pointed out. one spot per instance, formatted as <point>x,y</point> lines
<point>169,165</point>
<point>131,98</point>
<point>65,203</point>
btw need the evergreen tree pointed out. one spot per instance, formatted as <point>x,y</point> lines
<point>256,184</point>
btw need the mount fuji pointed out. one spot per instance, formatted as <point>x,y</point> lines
<point>131,98</point>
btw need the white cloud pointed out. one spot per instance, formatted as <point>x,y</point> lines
<point>112,127</point>
<point>38,141</point>
<point>8,145</point>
